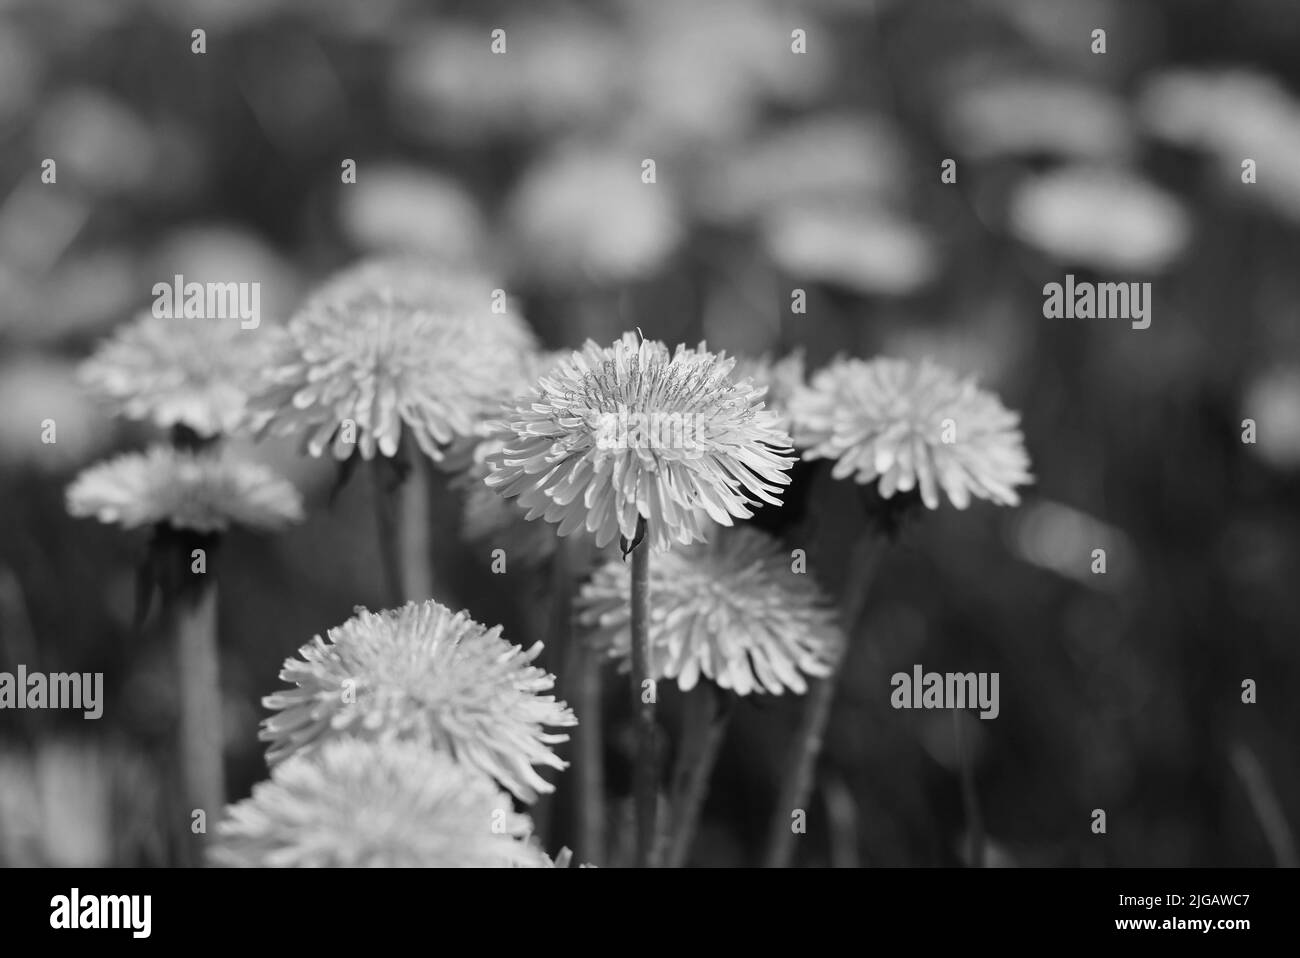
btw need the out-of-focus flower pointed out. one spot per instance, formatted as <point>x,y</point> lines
<point>632,431</point>
<point>34,389</point>
<point>202,491</point>
<point>729,609</point>
<point>826,158</point>
<point>555,73</point>
<point>20,69</point>
<point>1102,218</point>
<point>390,346</point>
<point>704,71</point>
<point>1233,115</point>
<point>1227,109</point>
<point>909,425</point>
<point>98,141</point>
<point>197,373</point>
<point>582,215</point>
<point>869,250</point>
<point>424,673</point>
<point>1038,115</point>
<point>782,377</point>
<point>221,253</point>
<point>365,804</point>
<point>398,208</point>
<point>88,293</point>
<point>1272,400</point>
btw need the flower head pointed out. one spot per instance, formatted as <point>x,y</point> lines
<point>201,491</point>
<point>363,804</point>
<point>633,432</point>
<point>1102,218</point>
<point>729,609</point>
<point>197,373</point>
<point>425,673</point>
<point>583,215</point>
<point>907,425</point>
<point>390,345</point>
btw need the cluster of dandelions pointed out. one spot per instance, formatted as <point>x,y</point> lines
<point>397,743</point>
<point>406,736</point>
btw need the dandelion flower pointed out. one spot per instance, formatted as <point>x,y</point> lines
<point>632,432</point>
<point>907,425</point>
<point>859,247</point>
<point>202,491</point>
<point>1232,114</point>
<point>425,673</point>
<point>389,346</point>
<point>730,610</point>
<point>407,208</point>
<point>1105,219</point>
<point>360,804</point>
<point>557,74</point>
<point>1044,115</point>
<point>584,216</point>
<point>36,387</point>
<point>825,158</point>
<point>196,373</point>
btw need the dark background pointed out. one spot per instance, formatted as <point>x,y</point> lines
<point>1120,692</point>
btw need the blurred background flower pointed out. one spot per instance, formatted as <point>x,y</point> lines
<point>733,610</point>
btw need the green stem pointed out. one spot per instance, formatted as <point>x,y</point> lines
<point>194,623</point>
<point>590,758</point>
<point>800,769</point>
<point>969,797</point>
<point>643,703</point>
<point>703,732</point>
<point>387,508</point>
<point>414,524</point>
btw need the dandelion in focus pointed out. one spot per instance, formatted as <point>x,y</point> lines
<point>424,673</point>
<point>561,467</point>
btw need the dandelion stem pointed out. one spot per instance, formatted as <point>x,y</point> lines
<point>590,764</point>
<point>414,524</point>
<point>643,702</point>
<point>580,675</point>
<point>800,768</point>
<point>969,797</point>
<point>387,519</point>
<point>193,616</point>
<point>703,731</point>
